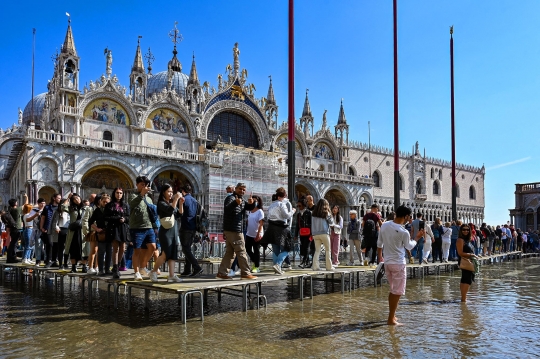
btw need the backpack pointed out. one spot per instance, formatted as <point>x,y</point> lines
<point>201,220</point>
<point>436,232</point>
<point>369,230</point>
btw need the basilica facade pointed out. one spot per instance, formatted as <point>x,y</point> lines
<point>174,128</point>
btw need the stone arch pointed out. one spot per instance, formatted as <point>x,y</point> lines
<point>298,136</point>
<point>304,187</point>
<point>243,109</point>
<point>341,194</point>
<point>105,160</point>
<point>352,171</point>
<point>472,192</point>
<point>110,95</point>
<point>185,172</point>
<point>419,186</point>
<point>330,144</point>
<point>104,178</point>
<point>377,179</point>
<point>46,192</point>
<point>437,190</point>
<point>48,156</point>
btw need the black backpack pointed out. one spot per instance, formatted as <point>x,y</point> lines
<point>369,230</point>
<point>201,220</point>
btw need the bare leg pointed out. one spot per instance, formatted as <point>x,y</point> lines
<point>393,300</point>
<point>159,261</point>
<point>147,254</point>
<point>92,256</point>
<point>135,259</point>
<point>171,263</point>
<point>464,288</point>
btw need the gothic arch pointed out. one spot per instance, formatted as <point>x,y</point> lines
<point>254,118</point>
<point>377,178</point>
<point>81,168</point>
<point>111,94</point>
<point>180,110</point>
<point>349,200</point>
<point>299,137</point>
<point>311,189</point>
<point>329,143</point>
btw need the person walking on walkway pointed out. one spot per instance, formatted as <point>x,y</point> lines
<point>188,210</point>
<point>234,209</point>
<point>465,249</point>
<point>335,235</point>
<point>446,241</point>
<point>353,230</point>
<point>16,213</point>
<point>254,234</point>
<point>370,231</point>
<point>303,231</point>
<point>321,224</point>
<point>436,228</point>
<point>117,217</point>
<point>278,233</point>
<point>393,241</point>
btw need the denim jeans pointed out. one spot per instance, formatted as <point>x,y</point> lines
<point>420,249</point>
<point>279,254</point>
<point>453,249</point>
<point>27,235</point>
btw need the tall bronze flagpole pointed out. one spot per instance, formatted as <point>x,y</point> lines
<point>454,188</point>
<point>397,200</point>
<point>33,52</point>
<point>291,120</point>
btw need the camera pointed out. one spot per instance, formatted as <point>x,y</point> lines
<point>421,225</point>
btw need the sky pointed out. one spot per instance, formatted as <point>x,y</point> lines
<point>343,50</point>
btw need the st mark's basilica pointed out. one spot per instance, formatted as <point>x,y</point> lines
<point>174,128</point>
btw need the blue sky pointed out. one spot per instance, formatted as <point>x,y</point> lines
<point>343,50</point>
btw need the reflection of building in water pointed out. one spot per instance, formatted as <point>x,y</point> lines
<point>171,128</point>
<point>526,215</point>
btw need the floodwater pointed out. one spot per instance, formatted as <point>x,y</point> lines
<point>499,321</point>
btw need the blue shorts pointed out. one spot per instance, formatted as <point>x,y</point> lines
<point>141,237</point>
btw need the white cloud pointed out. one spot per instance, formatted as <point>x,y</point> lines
<point>508,163</point>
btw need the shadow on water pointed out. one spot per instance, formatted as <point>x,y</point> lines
<point>323,330</point>
<point>432,302</point>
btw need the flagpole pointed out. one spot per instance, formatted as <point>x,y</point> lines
<point>454,188</point>
<point>291,121</point>
<point>33,52</point>
<point>397,200</point>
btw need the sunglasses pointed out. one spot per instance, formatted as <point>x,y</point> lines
<point>465,229</point>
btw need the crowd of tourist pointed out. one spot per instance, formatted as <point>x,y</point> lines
<point>105,231</point>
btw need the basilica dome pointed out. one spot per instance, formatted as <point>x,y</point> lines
<point>39,104</point>
<point>158,82</point>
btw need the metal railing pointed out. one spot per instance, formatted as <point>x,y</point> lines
<point>333,176</point>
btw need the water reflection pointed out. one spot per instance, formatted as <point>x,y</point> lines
<point>498,321</point>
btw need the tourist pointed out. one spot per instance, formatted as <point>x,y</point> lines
<point>474,239</point>
<point>92,241</point>
<point>455,230</point>
<point>303,231</point>
<point>229,190</point>
<point>513,238</point>
<point>10,225</point>
<point>465,249</point>
<point>141,227</point>
<point>436,228</point>
<point>335,235</point>
<point>3,236</point>
<point>168,231</point>
<point>428,243</point>
<point>491,240</point>
<point>353,230</point>
<point>488,239</point>
<point>15,233</point>
<point>416,225</point>
<point>278,233</point>
<point>48,232</point>
<point>234,208</point>
<point>60,225</point>
<point>370,231</point>
<point>36,233</point>
<point>28,229</point>
<point>98,224</point>
<point>188,210</point>
<point>519,240</point>
<point>117,217</point>
<point>321,223</point>
<point>254,234</point>
<point>446,239</point>
<point>74,237</point>
<point>88,209</point>
<point>309,202</point>
<point>392,242</point>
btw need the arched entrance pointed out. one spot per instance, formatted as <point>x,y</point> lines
<point>303,189</point>
<point>175,178</point>
<point>104,179</point>
<point>46,193</point>
<point>336,197</point>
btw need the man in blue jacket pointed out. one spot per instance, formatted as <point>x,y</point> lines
<point>188,210</point>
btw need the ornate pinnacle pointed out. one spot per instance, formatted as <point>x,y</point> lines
<point>149,57</point>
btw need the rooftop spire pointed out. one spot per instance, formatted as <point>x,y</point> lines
<point>341,118</point>
<point>138,62</point>
<point>193,77</point>
<point>69,43</point>
<point>307,110</point>
<point>270,99</point>
<point>176,37</point>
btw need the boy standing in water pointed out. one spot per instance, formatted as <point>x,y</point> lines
<point>394,239</point>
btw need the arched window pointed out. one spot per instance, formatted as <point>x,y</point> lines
<point>233,128</point>
<point>107,138</point>
<point>472,193</point>
<point>167,145</point>
<point>457,190</point>
<point>418,186</point>
<point>351,171</point>
<point>440,174</point>
<point>432,173</point>
<point>376,179</point>
<point>400,183</point>
<point>436,188</point>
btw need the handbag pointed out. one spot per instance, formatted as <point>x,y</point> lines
<point>75,226</point>
<point>337,230</point>
<point>466,264</point>
<point>167,222</point>
<point>101,236</point>
<point>304,232</point>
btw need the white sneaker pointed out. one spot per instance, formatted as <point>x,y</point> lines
<point>153,276</point>
<point>91,271</point>
<point>143,272</point>
<point>174,279</point>
<point>138,276</point>
<point>232,273</point>
<point>277,269</point>
<point>331,268</point>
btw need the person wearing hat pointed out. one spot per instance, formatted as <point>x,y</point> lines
<point>234,209</point>
<point>353,229</point>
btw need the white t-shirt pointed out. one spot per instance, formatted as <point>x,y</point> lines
<point>394,239</point>
<point>253,223</point>
<point>28,224</point>
<point>447,234</point>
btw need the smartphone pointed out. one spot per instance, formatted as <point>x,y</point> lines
<point>421,225</point>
